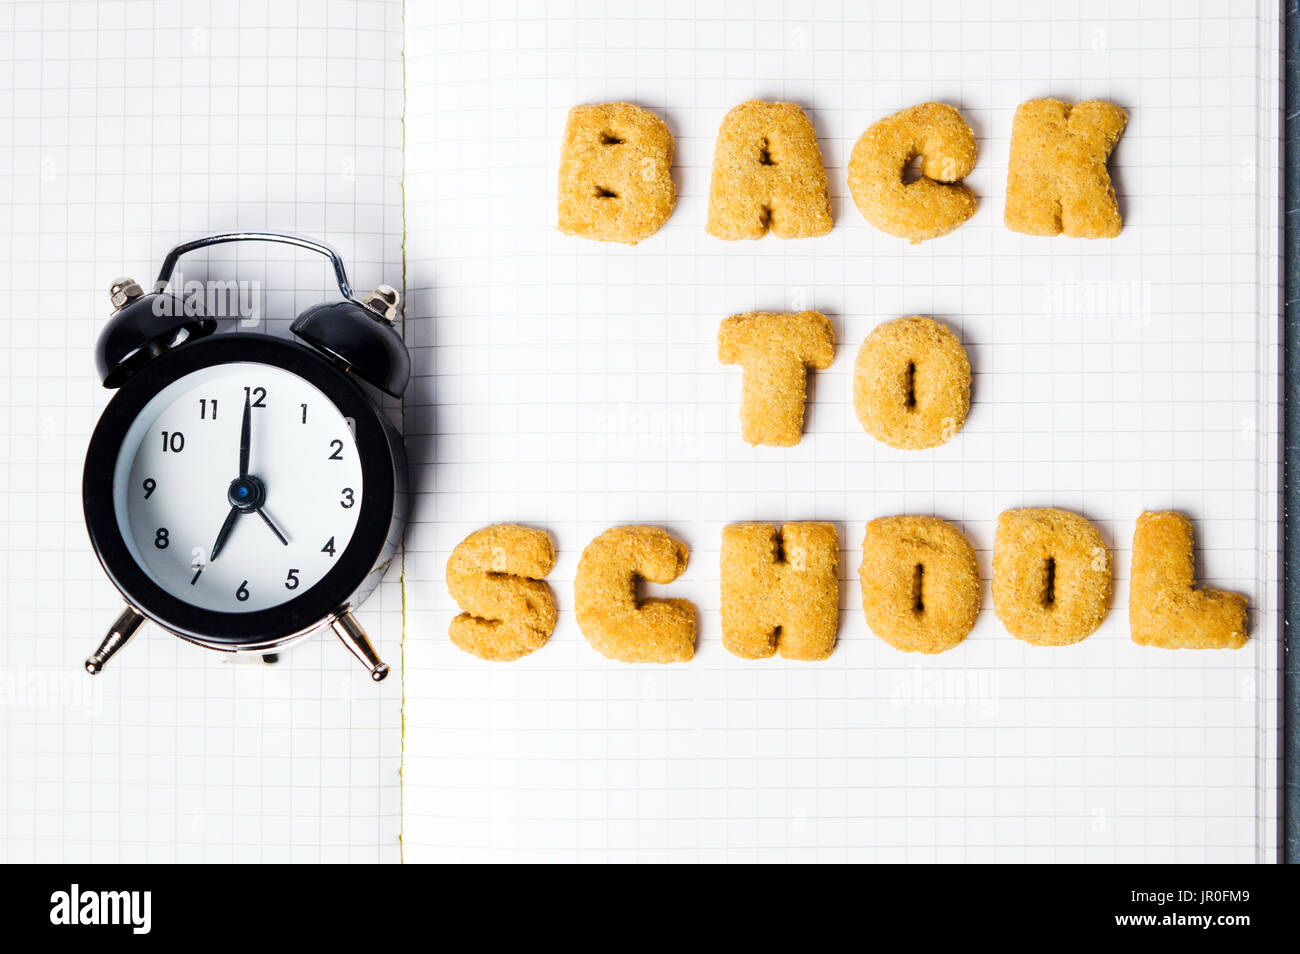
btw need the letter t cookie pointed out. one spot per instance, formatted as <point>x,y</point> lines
<point>775,351</point>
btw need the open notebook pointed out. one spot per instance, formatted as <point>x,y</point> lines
<point>573,386</point>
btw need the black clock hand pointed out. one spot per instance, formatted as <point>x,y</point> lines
<point>245,435</point>
<point>225,532</point>
<point>274,529</point>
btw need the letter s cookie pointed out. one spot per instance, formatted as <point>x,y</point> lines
<point>495,575</point>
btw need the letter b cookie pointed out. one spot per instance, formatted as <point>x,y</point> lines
<point>616,180</point>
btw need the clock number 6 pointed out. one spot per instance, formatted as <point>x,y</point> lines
<point>241,594</point>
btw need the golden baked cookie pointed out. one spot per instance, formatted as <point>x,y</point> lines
<point>495,576</point>
<point>920,583</point>
<point>774,350</point>
<point>1056,179</point>
<point>911,383</point>
<point>1166,608</point>
<point>1051,576</point>
<point>605,597</point>
<point>616,181</point>
<point>932,205</point>
<point>768,174</point>
<point>780,590</point>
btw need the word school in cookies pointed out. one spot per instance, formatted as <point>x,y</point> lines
<point>781,588</point>
<point>905,172</point>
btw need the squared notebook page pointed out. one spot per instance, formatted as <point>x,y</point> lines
<point>574,385</point>
<point>128,128</point>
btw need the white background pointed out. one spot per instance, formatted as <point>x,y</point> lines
<point>126,128</point>
<point>574,385</point>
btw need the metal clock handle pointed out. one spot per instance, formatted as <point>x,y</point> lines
<point>282,238</point>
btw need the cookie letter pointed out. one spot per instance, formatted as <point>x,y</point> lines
<point>768,173</point>
<point>920,583</point>
<point>1057,179</point>
<point>616,181</point>
<point>775,350</point>
<point>1165,607</point>
<point>654,630</point>
<point>1051,576</point>
<point>780,591</point>
<point>932,205</point>
<point>495,576</point>
<point>911,383</point>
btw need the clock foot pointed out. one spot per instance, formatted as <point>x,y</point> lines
<point>354,637</point>
<point>118,636</point>
<point>270,658</point>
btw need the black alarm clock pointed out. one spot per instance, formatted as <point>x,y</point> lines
<point>244,491</point>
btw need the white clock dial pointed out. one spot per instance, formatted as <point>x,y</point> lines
<point>173,490</point>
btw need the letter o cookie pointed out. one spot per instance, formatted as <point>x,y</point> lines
<point>495,576</point>
<point>780,591</point>
<point>911,383</point>
<point>920,583</point>
<point>1051,576</point>
<point>616,181</point>
<point>934,204</point>
<point>1166,608</point>
<point>604,588</point>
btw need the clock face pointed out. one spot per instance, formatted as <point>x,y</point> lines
<point>219,540</point>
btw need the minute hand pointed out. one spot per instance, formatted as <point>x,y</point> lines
<point>274,529</point>
<point>245,436</point>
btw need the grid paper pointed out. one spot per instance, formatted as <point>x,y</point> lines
<point>126,128</point>
<point>574,385</point>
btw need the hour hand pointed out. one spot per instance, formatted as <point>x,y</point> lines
<point>224,532</point>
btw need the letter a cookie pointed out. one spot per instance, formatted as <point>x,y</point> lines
<point>768,174</point>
